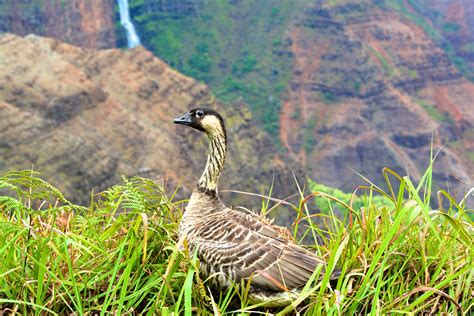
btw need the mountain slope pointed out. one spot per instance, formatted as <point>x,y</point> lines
<point>84,118</point>
<point>370,89</point>
<point>341,85</point>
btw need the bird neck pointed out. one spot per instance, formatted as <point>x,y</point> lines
<point>215,162</point>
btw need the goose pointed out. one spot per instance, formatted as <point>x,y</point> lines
<point>233,246</point>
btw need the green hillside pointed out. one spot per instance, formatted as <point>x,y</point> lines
<point>237,49</point>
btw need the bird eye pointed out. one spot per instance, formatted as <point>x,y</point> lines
<point>199,113</point>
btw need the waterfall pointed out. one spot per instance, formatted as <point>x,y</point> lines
<point>132,36</point>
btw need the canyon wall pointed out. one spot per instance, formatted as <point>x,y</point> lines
<point>344,87</point>
<point>371,89</point>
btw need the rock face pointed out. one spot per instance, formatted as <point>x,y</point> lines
<point>370,89</point>
<point>85,23</point>
<point>84,118</point>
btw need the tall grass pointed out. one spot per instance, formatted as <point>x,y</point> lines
<point>121,254</point>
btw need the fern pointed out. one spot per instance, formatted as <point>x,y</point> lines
<point>27,184</point>
<point>57,257</point>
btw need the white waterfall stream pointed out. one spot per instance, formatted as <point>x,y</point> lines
<point>132,36</point>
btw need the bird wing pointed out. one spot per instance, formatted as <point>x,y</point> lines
<point>243,247</point>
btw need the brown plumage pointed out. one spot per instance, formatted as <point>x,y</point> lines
<point>234,246</point>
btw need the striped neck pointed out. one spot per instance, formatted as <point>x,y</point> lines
<point>215,161</point>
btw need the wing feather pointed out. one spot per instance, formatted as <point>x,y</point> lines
<point>250,248</point>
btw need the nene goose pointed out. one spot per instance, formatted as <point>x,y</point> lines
<point>234,246</point>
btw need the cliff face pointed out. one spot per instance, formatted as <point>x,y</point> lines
<point>85,23</point>
<point>370,88</point>
<point>84,118</point>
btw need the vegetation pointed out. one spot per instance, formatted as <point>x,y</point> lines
<point>120,254</point>
<point>451,27</point>
<point>329,98</point>
<point>387,67</point>
<point>433,111</point>
<point>309,141</point>
<point>327,206</point>
<point>237,49</point>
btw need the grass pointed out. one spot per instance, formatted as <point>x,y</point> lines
<point>357,202</point>
<point>121,255</point>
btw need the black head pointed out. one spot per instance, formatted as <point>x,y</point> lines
<point>203,119</point>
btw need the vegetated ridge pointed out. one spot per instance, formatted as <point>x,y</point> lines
<point>84,118</point>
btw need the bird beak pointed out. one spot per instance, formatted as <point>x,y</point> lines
<point>183,120</point>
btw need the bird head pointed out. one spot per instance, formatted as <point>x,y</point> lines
<point>203,119</point>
